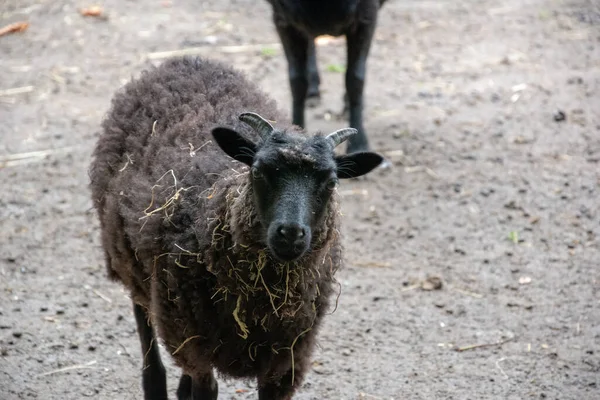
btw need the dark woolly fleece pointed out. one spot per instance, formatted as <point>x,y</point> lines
<point>180,232</point>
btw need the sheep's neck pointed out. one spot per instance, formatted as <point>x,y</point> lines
<point>245,270</point>
<point>245,227</point>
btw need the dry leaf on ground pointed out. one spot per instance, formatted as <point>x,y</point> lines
<point>13,28</point>
<point>92,11</point>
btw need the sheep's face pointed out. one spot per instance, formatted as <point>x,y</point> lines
<point>293,178</point>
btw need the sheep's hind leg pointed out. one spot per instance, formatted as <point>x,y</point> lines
<point>205,388</point>
<point>154,379</point>
<point>358,43</point>
<point>295,45</point>
<point>282,387</point>
<point>314,95</point>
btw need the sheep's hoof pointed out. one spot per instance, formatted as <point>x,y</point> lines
<point>344,115</point>
<point>356,148</point>
<point>385,164</point>
<point>206,389</point>
<point>313,100</point>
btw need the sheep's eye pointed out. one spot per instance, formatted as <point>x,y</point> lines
<point>256,174</point>
<point>332,184</point>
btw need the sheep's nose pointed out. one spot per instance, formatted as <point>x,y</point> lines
<point>291,232</point>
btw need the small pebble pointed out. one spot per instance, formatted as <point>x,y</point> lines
<point>575,80</point>
<point>432,283</point>
<point>17,334</point>
<point>559,116</point>
<point>486,192</point>
<point>91,347</point>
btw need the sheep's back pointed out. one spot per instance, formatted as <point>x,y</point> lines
<point>156,152</point>
<point>162,120</point>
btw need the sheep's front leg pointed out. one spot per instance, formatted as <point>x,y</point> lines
<point>287,374</point>
<point>358,42</point>
<point>314,94</point>
<point>295,44</point>
<point>203,388</point>
<point>281,387</point>
<point>154,380</point>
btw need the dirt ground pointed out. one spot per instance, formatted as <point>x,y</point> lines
<point>489,192</point>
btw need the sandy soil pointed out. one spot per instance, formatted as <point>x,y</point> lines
<point>488,193</point>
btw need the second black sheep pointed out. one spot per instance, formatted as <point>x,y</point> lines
<point>298,22</point>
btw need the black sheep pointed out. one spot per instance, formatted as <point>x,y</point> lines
<point>298,22</point>
<point>232,260</point>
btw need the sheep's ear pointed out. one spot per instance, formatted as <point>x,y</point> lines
<point>235,145</point>
<point>356,164</point>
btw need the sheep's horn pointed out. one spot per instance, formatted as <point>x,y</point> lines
<point>258,123</point>
<point>340,136</point>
